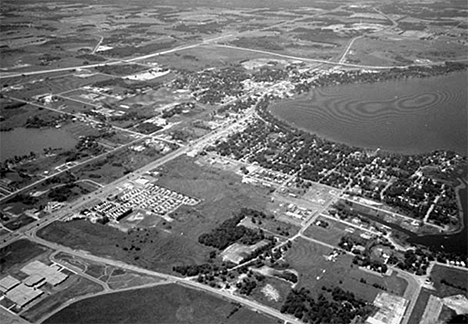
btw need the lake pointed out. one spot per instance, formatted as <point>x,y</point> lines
<point>405,116</point>
<point>21,141</point>
<point>408,116</point>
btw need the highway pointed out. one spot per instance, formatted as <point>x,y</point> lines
<point>169,278</point>
<point>102,193</point>
<point>128,60</point>
<point>29,231</point>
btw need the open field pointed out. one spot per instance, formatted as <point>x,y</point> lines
<point>128,279</point>
<point>153,249</point>
<point>221,193</point>
<point>164,304</point>
<point>170,243</point>
<point>98,78</point>
<point>316,271</point>
<point>207,56</point>
<point>73,287</point>
<point>332,234</point>
<point>449,281</point>
<point>18,253</point>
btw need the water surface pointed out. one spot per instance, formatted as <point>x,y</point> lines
<point>22,141</point>
<point>410,116</point>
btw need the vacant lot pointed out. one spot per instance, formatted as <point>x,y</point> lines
<point>73,287</point>
<point>207,56</point>
<point>162,304</point>
<point>176,243</point>
<point>332,234</point>
<point>316,271</point>
<point>449,281</point>
<point>221,194</point>
<point>19,252</point>
<point>153,249</point>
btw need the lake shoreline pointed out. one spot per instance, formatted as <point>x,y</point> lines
<point>430,119</point>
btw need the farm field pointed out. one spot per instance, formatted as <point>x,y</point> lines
<point>93,91</point>
<point>165,304</point>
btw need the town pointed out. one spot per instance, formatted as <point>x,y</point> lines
<point>145,156</point>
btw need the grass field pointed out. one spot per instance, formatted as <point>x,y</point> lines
<point>19,252</point>
<point>454,277</point>
<point>332,234</point>
<point>207,56</point>
<point>161,304</point>
<point>128,279</point>
<point>176,243</point>
<point>153,249</point>
<point>308,259</point>
<point>420,306</point>
<point>73,287</point>
<point>221,194</point>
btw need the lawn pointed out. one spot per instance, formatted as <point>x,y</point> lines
<point>162,304</point>
<point>316,271</point>
<point>454,281</point>
<point>19,252</point>
<point>332,234</point>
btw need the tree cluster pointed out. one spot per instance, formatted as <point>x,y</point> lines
<point>332,306</point>
<point>230,232</point>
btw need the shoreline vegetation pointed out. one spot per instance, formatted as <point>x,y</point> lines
<point>275,119</point>
<point>441,166</point>
<point>372,76</point>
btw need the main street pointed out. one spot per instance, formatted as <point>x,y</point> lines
<point>111,187</point>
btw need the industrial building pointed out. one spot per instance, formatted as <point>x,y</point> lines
<point>50,274</point>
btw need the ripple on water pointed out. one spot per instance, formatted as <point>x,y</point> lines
<point>408,116</point>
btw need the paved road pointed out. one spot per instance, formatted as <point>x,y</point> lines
<point>129,60</point>
<point>182,281</point>
<point>375,67</point>
<point>77,299</point>
<point>103,192</point>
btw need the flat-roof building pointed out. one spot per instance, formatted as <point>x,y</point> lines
<point>51,274</point>
<point>22,294</point>
<point>7,283</point>
<point>35,279</point>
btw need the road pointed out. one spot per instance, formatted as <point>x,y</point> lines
<point>97,45</point>
<point>343,57</point>
<point>77,299</point>
<point>128,60</point>
<point>173,279</point>
<point>306,59</point>
<point>109,188</point>
<point>411,293</point>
